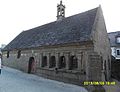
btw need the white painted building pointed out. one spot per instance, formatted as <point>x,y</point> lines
<point>2,46</point>
<point>115,44</point>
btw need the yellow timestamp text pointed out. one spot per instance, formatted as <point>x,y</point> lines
<point>102,83</point>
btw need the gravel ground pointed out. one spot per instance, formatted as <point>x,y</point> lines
<point>12,80</point>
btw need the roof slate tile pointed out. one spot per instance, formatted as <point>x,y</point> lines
<point>76,28</point>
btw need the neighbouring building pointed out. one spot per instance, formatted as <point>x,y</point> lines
<point>2,46</point>
<point>115,44</point>
<point>71,49</point>
<point>114,38</point>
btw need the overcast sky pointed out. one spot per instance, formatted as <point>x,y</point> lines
<point>19,15</point>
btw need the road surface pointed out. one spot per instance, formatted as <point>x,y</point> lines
<point>12,80</point>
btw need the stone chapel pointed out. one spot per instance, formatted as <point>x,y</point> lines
<point>72,49</point>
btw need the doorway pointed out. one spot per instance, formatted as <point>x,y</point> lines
<point>31,64</point>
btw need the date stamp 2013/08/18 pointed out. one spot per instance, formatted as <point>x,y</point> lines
<point>102,83</point>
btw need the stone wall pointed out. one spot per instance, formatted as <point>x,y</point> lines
<point>101,43</point>
<point>94,67</point>
<point>76,76</point>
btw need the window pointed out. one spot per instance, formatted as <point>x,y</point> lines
<point>19,54</point>
<point>109,65</point>
<point>105,65</point>
<point>73,62</point>
<point>62,62</point>
<point>8,54</point>
<point>118,52</point>
<point>44,61</point>
<point>52,62</point>
<point>102,65</point>
<point>118,39</point>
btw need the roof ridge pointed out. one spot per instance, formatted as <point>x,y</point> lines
<point>73,29</point>
<point>113,32</point>
<point>65,18</point>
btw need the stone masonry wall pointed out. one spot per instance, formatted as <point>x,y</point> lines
<point>76,76</point>
<point>94,69</point>
<point>101,43</point>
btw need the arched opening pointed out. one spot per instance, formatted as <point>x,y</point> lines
<point>105,70</point>
<point>109,64</point>
<point>8,54</point>
<point>31,64</point>
<point>44,61</point>
<point>62,62</point>
<point>73,62</point>
<point>19,54</point>
<point>102,64</point>
<point>52,61</point>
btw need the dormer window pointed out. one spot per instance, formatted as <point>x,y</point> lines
<point>118,52</point>
<point>118,39</point>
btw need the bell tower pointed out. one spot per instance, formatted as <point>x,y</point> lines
<point>60,11</point>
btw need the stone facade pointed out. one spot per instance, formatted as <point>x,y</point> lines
<point>102,43</point>
<point>64,73</point>
<point>88,61</point>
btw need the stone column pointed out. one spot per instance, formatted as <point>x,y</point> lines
<point>40,59</point>
<point>48,60</point>
<point>57,56</point>
<point>79,60</point>
<point>67,60</point>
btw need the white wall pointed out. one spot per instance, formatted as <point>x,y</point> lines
<point>114,52</point>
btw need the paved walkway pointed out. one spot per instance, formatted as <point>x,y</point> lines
<point>113,88</point>
<point>12,80</point>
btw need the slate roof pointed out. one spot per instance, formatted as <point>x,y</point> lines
<point>76,28</point>
<point>112,37</point>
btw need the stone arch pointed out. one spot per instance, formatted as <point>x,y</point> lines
<point>62,62</point>
<point>44,61</point>
<point>73,62</point>
<point>52,62</point>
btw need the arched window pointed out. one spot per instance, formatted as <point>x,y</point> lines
<point>73,62</point>
<point>62,62</point>
<point>105,65</point>
<point>105,68</point>
<point>102,65</point>
<point>19,54</point>
<point>8,54</point>
<point>118,39</point>
<point>52,62</point>
<point>44,61</point>
<point>109,65</point>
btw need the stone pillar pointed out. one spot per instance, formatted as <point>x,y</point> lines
<point>48,60</point>
<point>37,61</point>
<point>67,60</point>
<point>79,60</point>
<point>57,56</point>
<point>40,60</point>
